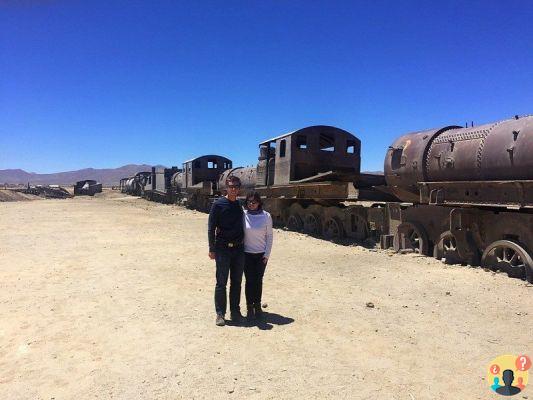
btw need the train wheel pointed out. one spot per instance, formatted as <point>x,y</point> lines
<point>446,249</point>
<point>295,223</point>
<point>510,257</point>
<point>333,229</point>
<point>312,224</point>
<point>411,236</point>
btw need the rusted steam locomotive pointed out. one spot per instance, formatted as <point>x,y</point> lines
<point>464,195</point>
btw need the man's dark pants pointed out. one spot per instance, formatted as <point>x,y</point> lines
<point>254,269</point>
<point>230,263</point>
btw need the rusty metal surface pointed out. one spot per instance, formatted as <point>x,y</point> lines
<point>311,191</point>
<point>509,194</point>
<point>404,162</point>
<point>499,152</point>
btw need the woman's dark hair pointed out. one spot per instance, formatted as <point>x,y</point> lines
<point>253,195</point>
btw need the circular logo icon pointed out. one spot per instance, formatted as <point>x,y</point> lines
<point>507,375</point>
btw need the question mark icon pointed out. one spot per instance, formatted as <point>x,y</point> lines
<point>523,363</point>
<point>495,369</point>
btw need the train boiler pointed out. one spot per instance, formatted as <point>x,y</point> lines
<point>472,194</point>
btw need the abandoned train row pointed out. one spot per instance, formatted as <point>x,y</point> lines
<point>460,194</point>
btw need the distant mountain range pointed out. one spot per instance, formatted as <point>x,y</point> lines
<point>107,176</point>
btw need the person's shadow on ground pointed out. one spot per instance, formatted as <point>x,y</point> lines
<point>266,323</point>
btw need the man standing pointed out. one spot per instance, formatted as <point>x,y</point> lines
<point>226,247</point>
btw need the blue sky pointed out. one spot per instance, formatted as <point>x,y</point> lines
<point>107,83</point>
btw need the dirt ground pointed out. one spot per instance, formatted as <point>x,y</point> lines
<point>112,297</point>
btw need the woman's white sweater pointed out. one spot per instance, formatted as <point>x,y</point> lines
<point>258,234</point>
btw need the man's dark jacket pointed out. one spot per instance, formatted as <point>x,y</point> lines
<point>225,224</point>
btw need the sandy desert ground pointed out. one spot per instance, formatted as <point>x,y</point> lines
<point>112,297</point>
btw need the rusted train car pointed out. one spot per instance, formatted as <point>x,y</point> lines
<point>471,191</point>
<point>157,186</point>
<point>195,184</point>
<point>87,187</point>
<point>134,185</point>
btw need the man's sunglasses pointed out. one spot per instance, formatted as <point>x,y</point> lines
<point>252,202</point>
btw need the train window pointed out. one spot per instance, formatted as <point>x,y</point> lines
<point>301,142</point>
<point>282,148</point>
<point>197,164</point>
<point>326,142</point>
<point>212,165</point>
<point>350,146</point>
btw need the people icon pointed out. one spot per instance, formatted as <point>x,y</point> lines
<point>508,389</point>
<point>496,383</point>
<point>520,383</point>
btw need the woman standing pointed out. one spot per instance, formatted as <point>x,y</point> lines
<point>257,245</point>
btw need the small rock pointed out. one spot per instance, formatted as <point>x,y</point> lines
<point>231,391</point>
<point>370,304</point>
<point>264,305</point>
<point>251,388</point>
<point>448,294</point>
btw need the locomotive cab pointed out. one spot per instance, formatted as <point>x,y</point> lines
<point>312,153</point>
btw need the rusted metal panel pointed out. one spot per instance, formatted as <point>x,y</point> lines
<point>320,190</point>
<point>509,194</point>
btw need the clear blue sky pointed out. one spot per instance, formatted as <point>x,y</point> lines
<point>106,83</point>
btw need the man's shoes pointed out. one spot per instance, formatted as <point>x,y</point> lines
<point>250,312</point>
<point>259,314</point>
<point>220,320</point>
<point>236,317</point>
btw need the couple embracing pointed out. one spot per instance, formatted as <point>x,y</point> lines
<point>239,241</point>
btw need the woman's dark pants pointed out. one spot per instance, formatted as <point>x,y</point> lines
<point>230,263</point>
<point>254,269</point>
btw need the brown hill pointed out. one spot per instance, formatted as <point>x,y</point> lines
<point>107,176</point>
